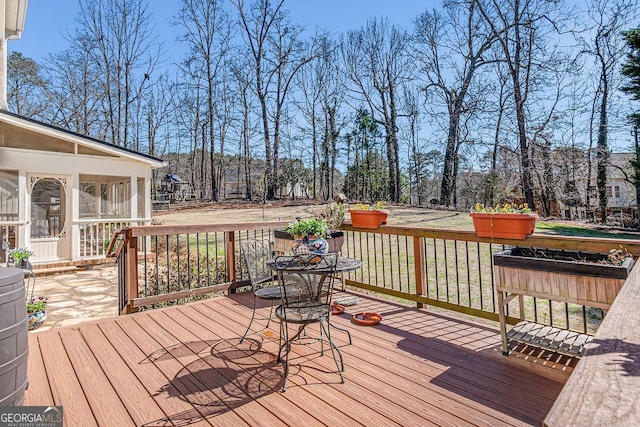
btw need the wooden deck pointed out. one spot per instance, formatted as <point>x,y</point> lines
<point>184,365</point>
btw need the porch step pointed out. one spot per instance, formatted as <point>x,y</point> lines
<point>50,270</point>
<point>60,267</point>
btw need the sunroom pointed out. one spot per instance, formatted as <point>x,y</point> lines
<point>63,194</point>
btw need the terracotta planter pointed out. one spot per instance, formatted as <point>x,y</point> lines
<point>368,219</point>
<point>367,318</point>
<point>504,226</point>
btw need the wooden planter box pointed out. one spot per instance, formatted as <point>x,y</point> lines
<point>284,240</point>
<point>578,282</point>
<point>584,283</point>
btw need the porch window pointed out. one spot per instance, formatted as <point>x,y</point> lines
<point>88,200</point>
<point>8,195</point>
<point>9,208</point>
<point>105,196</point>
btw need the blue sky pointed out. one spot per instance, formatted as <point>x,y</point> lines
<point>47,20</point>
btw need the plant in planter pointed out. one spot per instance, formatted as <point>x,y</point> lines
<point>20,255</point>
<point>366,216</point>
<point>36,312</point>
<point>333,214</point>
<point>309,233</point>
<point>506,221</point>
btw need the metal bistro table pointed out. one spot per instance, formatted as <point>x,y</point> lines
<point>344,264</point>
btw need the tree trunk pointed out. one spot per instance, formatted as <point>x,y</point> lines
<point>602,156</point>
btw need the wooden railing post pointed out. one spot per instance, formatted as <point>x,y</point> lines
<point>418,265</point>
<point>131,270</point>
<point>230,255</point>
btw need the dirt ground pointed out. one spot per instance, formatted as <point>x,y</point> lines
<point>234,213</point>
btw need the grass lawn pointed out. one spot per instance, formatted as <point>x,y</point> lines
<point>398,215</point>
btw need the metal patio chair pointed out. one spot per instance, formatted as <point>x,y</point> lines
<point>309,303</point>
<point>256,255</point>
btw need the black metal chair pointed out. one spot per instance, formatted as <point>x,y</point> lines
<point>310,302</point>
<point>256,254</point>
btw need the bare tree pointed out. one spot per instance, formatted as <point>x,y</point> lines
<point>207,32</point>
<point>411,102</point>
<point>123,52</point>
<point>25,85</point>
<point>321,90</point>
<point>157,109</point>
<point>608,18</point>
<point>376,62</point>
<point>242,76</point>
<point>277,55</point>
<point>450,48</point>
<point>523,29</point>
<point>74,95</point>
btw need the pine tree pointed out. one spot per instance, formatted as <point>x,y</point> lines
<point>631,69</point>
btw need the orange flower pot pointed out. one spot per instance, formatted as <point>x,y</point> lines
<point>368,219</point>
<point>504,226</point>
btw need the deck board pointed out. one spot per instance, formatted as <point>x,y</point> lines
<point>163,391</point>
<point>185,365</point>
<point>136,398</point>
<point>63,382</point>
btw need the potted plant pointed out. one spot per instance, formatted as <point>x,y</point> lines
<point>333,215</point>
<point>309,233</point>
<point>20,256</point>
<point>508,221</point>
<point>366,216</point>
<point>36,312</point>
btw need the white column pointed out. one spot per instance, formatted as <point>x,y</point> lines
<point>147,193</point>
<point>133,198</point>
<point>75,216</point>
<point>24,208</point>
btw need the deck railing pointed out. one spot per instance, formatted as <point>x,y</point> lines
<point>454,270</point>
<point>443,268</point>
<point>165,264</point>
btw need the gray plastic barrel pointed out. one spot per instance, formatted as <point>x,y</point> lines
<point>14,342</point>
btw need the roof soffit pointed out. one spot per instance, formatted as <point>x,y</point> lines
<point>92,147</point>
<point>14,16</point>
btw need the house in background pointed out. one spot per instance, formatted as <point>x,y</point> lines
<point>621,194</point>
<point>63,194</point>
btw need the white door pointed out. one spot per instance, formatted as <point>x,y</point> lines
<point>49,217</point>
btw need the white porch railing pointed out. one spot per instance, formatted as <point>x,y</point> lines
<point>8,238</point>
<point>95,234</point>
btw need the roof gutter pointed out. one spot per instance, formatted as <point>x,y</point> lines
<point>18,19</point>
